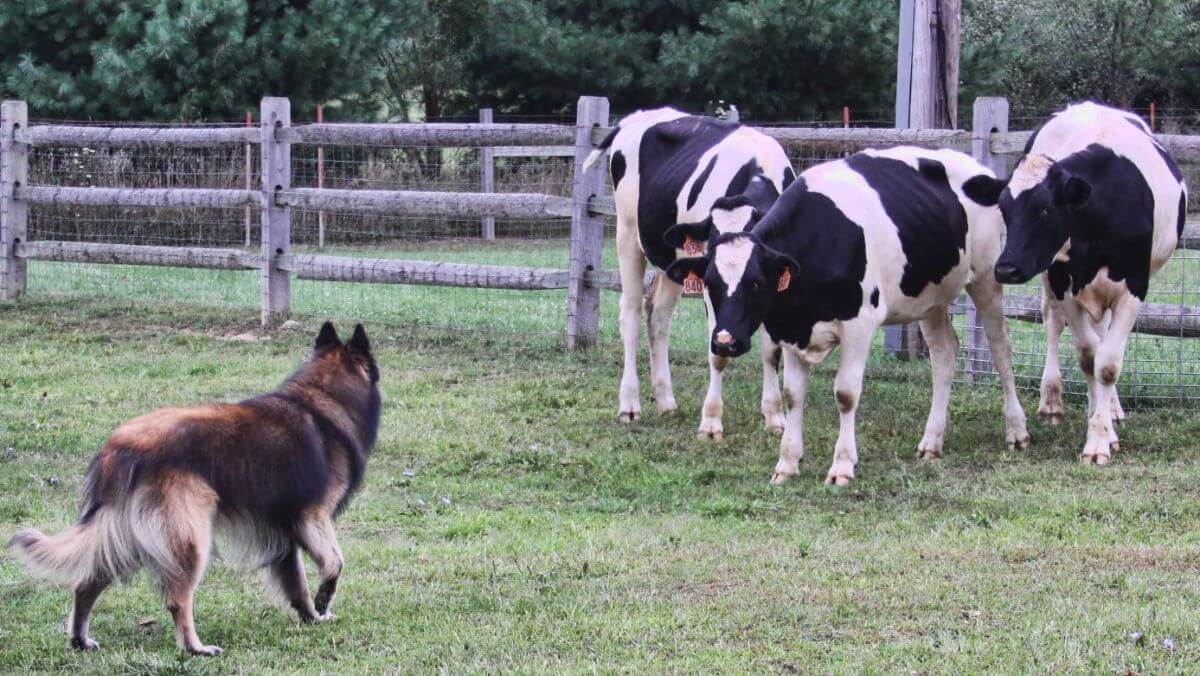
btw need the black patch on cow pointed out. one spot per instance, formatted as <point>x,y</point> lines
<point>788,177</point>
<point>875,297</point>
<point>831,252</point>
<point>1115,228</point>
<point>668,155</point>
<point>698,185</point>
<point>1059,277</point>
<point>929,219</point>
<point>1182,213</point>
<point>1137,122</point>
<point>1162,152</point>
<point>617,166</point>
<point>741,180</point>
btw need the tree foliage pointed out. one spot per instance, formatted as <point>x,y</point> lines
<point>185,59</point>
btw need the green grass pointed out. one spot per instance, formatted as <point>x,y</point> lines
<point>537,534</point>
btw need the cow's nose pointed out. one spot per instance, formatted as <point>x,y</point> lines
<point>724,338</point>
<point>1007,273</point>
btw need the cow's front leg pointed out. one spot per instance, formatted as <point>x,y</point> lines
<point>1118,413</point>
<point>632,265</point>
<point>856,345</point>
<point>1050,407</point>
<point>660,307</point>
<point>714,405</point>
<point>943,357</point>
<point>795,387</point>
<point>772,404</point>
<point>987,295</point>
<point>1109,358</point>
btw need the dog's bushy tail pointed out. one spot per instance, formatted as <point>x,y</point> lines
<point>97,548</point>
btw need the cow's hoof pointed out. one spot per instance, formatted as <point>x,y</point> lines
<point>325,617</point>
<point>628,417</point>
<point>1022,443</point>
<point>205,650</point>
<point>84,643</point>
<point>667,405</point>
<point>1115,447</point>
<point>711,430</point>
<point>838,480</point>
<point>929,454</point>
<point>840,474</point>
<point>1095,452</point>
<point>773,424</point>
<point>1052,418</point>
<point>780,478</point>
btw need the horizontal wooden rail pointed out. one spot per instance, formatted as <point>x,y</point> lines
<point>432,273</point>
<point>533,151</point>
<point>1159,319</point>
<point>67,135</point>
<point>523,206</point>
<point>443,135</point>
<point>139,197</point>
<point>138,254</point>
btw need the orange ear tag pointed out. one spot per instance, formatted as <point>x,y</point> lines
<point>693,285</point>
<point>692,247</point>
<point>785,279</point>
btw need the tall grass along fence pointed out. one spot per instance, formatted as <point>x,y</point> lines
<point>489,225</point>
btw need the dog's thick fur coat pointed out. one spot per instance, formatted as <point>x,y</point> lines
<point>266,476</point>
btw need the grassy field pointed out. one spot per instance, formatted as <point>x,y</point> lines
<point>537,534</point>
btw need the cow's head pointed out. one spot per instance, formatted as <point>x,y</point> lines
<point>1037,204</point>
<point>742,278</point>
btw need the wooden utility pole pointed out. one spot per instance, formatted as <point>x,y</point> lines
<point>926,98</point>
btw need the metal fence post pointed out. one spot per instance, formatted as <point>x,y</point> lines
<point>487,177</point>
<point>587,230</point>
<point>14,214</point>
<point>276,119</point>
<point>990,115</point>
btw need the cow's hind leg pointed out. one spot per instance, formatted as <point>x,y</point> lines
<point>987,296</point>
<point>772,402</point>
<point>175,536</point>
<point>80,621</point>
<point>660,307</point>
<point>319,540</point>
<point>943,355</point>
<point>633,268</point>
<point>1118,413</point>
<point>1050,407</point>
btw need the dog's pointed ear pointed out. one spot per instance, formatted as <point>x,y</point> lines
<point>680,235</point>
<point>682,267</point>
<point>358,342</point>
<point>984,190</point>
<point>327,337</point>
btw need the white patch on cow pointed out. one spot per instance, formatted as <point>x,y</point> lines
<point>1029,173</point>
<point>732,220</point>
<point>731,260</point>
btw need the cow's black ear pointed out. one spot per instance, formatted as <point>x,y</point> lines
<point>677,235</point>
<point>984,189</point>
<point>327,337</point>
<point>682,267</point>
<point>781,269</point>
<point>359,342</point>
<point>1075,191</point>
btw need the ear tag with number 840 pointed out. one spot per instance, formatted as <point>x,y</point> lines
<point>692,284</point>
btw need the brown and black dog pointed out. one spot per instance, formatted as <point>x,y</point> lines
<point>266,476</point>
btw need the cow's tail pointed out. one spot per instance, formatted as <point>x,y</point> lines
<point>594,156</point>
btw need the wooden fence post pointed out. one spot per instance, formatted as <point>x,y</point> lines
<point>14,214</point>
<point>487,177</point>
<point>276,118</point>
<point>587,231</point>
<point>990,115</point>
<point>249,180</point>
<point>320,180</point>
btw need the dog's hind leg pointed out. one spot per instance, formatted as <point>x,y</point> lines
<point>319,540</point>
<point>176,537</point>
<point>287,574</point>
<point>79,623</point>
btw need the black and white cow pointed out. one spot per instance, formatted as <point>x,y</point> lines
<point>669,167</point>
<point>880,237</point>
<point>1098,205</point>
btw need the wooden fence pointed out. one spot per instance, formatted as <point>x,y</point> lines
<point>990,142</point>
